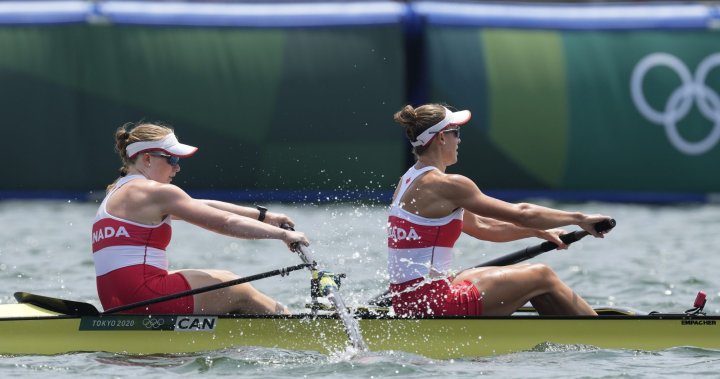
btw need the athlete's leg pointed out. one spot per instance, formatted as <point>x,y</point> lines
<point>507,288</point>
<point>241,298</point>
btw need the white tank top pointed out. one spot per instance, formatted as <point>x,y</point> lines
<point>419,247</point>
<point>118,243</point>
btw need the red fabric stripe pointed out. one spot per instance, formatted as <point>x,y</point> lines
<point>110,232</point>
<point>403,234</point>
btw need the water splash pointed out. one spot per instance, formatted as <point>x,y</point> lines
<point>352,327</point>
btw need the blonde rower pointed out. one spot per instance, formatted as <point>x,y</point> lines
<point>132,230</point>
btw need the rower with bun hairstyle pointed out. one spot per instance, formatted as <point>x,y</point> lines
<point>431,208</point>
<point>132,230</point>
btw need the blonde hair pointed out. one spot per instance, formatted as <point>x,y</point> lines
<point>136,132</point>
<point>417,120</point>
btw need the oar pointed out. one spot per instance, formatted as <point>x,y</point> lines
<point>329,289</point>
<point>384,300</point>
<point>66,307</point>
<point>76,308</point>
<point>533,251</point>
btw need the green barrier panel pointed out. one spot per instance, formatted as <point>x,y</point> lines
<point>285,109</point>
<point>555,109</point>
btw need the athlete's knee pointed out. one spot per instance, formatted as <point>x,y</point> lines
<point>544,275</point>
<point>227,274</point>
<point>220,276</point>
<point>542,269</point>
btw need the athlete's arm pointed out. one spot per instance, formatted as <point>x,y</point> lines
<point>172,200</point>
<point>492,230</point>
<point>464,193</point>
<point>272,218</point>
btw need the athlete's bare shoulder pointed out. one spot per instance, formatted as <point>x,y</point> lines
<point>458,182</point>
<point>146,190</point>
<point>453,187</point>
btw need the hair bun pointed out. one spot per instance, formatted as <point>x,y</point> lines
<point>406,116</point>
<point>122,134</point>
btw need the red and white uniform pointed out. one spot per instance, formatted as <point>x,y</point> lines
<point>131,262</point>
<point>420,253</point>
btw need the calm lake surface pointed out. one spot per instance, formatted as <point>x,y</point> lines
<point>656,259</point>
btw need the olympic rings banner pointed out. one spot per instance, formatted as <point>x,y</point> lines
<point>580,109</point>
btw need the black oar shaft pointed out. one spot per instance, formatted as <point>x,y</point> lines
<point>533,251</point>
<point>213,287</point>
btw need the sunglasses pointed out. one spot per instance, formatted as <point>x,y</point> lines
<point>455,131</point>
<point>171,159</point>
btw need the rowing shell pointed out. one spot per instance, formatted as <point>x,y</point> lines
<point>27,328</point>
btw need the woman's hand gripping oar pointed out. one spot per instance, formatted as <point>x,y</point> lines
<point>325,285</point>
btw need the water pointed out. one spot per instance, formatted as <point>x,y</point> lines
<point>657,258</point>
<point>332,292</point>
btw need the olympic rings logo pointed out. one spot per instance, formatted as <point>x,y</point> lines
<point>153,323</point>
<point>680,101</point>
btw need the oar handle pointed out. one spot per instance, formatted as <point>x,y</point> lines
<point>533,251</point>
<point>600,227</point>
<point>305,256</point>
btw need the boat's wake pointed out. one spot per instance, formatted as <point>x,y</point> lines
<point>550,347</point>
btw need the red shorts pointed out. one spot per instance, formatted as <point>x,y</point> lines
<point>436,298</point>
<point>143,282</point>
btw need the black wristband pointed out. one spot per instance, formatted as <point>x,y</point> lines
<point>263,211</point>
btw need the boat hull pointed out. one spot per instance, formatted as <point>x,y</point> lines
<point>43,332</point>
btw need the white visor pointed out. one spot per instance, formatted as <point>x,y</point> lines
<point>169,144</point>
<point>451,118</point>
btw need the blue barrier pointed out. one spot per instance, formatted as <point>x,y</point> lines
<point>318,14</point>
<point>44,12</point>
<point>254,15</point>
<point>564,16</point>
